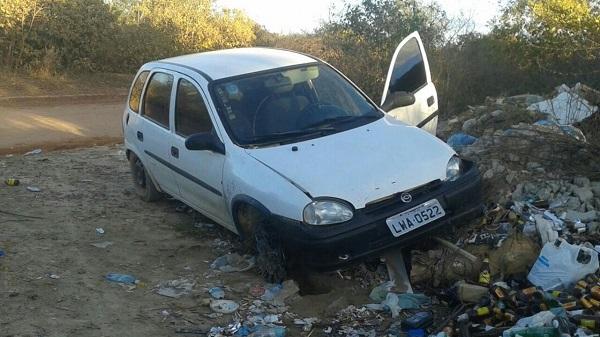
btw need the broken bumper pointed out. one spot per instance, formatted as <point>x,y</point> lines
<point>367,234</point>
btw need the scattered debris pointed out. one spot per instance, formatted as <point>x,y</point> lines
<point>175,288</point>
<point>33,152</point>
<point>216,293</point>
<point>233,262</point>
<point>99,231</point>
<point>224,306</point>
<point>121,278</point>
<point>103,244</point>
<point>53,276</point>
<point>33,189</point>
<point>12,182</point>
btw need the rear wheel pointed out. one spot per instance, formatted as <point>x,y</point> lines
<point>144,187</point>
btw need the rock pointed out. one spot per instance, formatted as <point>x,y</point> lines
<point>532,166</point>
<point>489,174</point>
<point>497,113</point>
<point>513,157</point>
<point>597,203</point>
<point>573,203</point>
<point>583,193</point>
<point>593,226</point>
<point>524,99</point>
<point>596,188</point>
<point>469,124</point>
<point>544,194</point>
<point>510,177</point>
<point>582,216</point>
<point>581,181</point>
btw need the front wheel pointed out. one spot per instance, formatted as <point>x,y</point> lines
<point>270,256</point>
<point>144,187</point>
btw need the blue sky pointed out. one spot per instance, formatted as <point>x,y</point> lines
<point>293,16</point>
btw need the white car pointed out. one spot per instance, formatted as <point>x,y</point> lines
<point>284,150</point>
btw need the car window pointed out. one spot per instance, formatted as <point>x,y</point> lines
<point>158,97</point>
<point>136,91</point>
<point>409,69</point>
<point>191,115</point>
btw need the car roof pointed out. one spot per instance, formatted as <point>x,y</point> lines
<point>233,62</point>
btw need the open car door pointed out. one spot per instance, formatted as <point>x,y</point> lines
<point>409,94</point>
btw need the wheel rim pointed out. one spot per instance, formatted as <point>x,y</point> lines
<point>140,175</point>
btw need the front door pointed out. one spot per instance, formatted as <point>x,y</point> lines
<point>409,72</point>
<point>200,172</point>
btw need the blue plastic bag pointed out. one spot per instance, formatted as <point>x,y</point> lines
<point>459,141</point>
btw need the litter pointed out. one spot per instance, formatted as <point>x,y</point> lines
<point>103,244</point>
<point>567,107</point>
<point>53,276</point>
<point>561,264</point>
<point>175,288</point>
<point>121,278</point>
<point>458,141</point>
<point>12,182</point>
<point>216,293</point>
<point>224,306</point>
<point>99,231</point>
<point>233,263</point>
<point>33,152</point>
<point>33,189</point>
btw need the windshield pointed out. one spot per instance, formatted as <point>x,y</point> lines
<point>290,105</point>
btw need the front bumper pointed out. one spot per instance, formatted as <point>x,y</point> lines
<point>367,234</point>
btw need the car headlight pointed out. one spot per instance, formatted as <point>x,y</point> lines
<point>327,212</point>
<point>453,168</point>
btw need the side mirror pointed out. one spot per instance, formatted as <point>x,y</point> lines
<point>397,99</point>
<point>205,141</point>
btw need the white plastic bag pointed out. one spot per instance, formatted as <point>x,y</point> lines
<point>561,264</point>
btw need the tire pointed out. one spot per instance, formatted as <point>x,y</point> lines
<point>270,256</point>
<point>144,186</point>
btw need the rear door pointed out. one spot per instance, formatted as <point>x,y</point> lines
<point>200,173</point>
<point>154,133</point>
<point>409,72</point>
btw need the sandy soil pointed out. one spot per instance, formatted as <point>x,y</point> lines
<point>52,279</point>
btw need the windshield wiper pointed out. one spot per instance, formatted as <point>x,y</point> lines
<point>343,119</point>
<point>281,136</point>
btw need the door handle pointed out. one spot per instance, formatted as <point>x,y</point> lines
<point>140,136</point>
<point>174,152</point>
<point>430,101</point>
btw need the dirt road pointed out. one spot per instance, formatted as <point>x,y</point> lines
<point>52,279</point>
<point>58,125</point>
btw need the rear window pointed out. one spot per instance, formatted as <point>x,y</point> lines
<point>136,91</point>
<point>158,98</point>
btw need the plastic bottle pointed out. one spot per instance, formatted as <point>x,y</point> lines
<point>536,332</point>
<point>470,293</point>
<point>485,276</point>
<point>121,278</point>
<point>591,322</point>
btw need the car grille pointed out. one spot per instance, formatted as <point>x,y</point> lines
<point>394,200</point>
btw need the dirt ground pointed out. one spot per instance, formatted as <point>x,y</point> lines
<point>60,124</point>
<point>52,279</point>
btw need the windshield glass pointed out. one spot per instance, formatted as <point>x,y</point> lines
<point>290,105</point>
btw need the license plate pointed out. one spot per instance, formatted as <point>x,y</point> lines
<point>415,217</point>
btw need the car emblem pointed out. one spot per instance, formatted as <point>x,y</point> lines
<point>406,197</point>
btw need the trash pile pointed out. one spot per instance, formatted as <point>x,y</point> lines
<point>527,138</point>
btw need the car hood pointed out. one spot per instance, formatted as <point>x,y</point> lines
<point>363,164</point>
